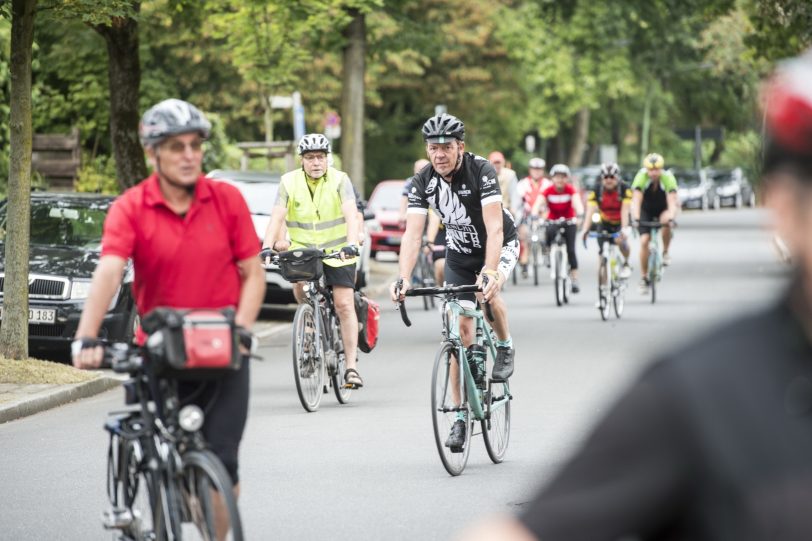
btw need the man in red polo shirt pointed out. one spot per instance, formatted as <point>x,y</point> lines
<point>193,245</point>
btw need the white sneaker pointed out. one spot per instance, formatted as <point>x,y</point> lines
<point>644,286</point>
<point>666,259</point>
<point>625,272</point>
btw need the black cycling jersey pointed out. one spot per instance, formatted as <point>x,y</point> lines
<point>459,203</point>
<point>712,443</point>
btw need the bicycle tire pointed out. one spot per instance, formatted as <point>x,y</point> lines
<point>618,300</point>
<point>653,263</point>
<point>534,253</point>
<point>604,285</point>
<point>337,378</point>
<point>441,402</point>
<point>203,475</point>
<point>559,280</point>
<point>496,427</point>
<point>308,366</point>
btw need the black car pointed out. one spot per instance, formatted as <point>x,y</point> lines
<point>65,245</point>
<point>731,188</point>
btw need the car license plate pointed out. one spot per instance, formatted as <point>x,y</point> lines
<point>394,241</point>
<point>38,316</point>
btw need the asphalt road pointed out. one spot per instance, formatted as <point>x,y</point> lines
<point>369,469</point>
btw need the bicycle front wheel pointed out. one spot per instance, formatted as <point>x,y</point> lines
<point>496,425</point>
<point>337,377</point>
<point>653,274</point>
<point>534,254</point>
<point>206,492</point>
<point>448,397</point>
<point>143,492</point>
<point>604,285</point>
<point>559,277</point>
<point>308,366</point>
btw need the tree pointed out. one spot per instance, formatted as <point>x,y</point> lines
<point>353,97</point>
<point>14,331</point>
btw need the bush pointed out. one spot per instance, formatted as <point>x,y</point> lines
<point>98,175</point>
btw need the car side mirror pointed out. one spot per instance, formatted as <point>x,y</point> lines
<point>369,215</point>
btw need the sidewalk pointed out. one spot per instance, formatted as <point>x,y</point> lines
<point>18,401</point>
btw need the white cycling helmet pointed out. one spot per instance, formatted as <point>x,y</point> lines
<point>314,142</point>
<point>171,117</point>
<point>537,163</point>
<point>560,169</point>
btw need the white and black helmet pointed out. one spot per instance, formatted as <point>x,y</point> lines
<point>610,170</point>
<point>536,163</point>
<point>442,128</point>
<point>172,117</point>
<point>560,169</point>
<point>314,142</point>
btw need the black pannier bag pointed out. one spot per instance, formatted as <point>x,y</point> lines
<point>301,265</point>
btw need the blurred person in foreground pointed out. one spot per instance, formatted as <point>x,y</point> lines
<point>715,440</point>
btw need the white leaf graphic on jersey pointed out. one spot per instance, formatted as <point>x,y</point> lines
<point>460,234</point>
<point>452,211</point>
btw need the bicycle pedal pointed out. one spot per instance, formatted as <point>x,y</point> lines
<point>117,518</point>
<point>456,449</point>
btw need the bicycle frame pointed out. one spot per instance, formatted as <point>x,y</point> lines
<point>325,322</point>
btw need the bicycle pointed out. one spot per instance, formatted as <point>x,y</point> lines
<point>485,401</point>
<point>560,272</point>
<point>315,359</point>
<point>611,288</point>
<point>162,480</point>
<point>536,248</point>
<point>655,257</point>
<point>424,273</point>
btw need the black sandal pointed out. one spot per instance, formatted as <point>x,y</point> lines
<point>352,379</point>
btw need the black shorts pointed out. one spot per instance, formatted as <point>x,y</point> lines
<point>606,227</point>
<point>461,270</point>
<point>649,215</point>
<point>340,276</point>
<point>225,405</point>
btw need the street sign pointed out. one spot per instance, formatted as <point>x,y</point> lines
<point>281,102</point>
<point>332,125</point>
<point>298,117</point>
<point>440,109</point>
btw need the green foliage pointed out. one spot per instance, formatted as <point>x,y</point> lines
<point>98,175</point>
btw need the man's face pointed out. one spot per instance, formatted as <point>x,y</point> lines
<point>654,174</point>
<point>560,180</point>
<point>498,164</point>
<point>180,158</point>
<point>609,183</point>
<point>444,156</point>
<point>315,163</point>
<point>535,173</point>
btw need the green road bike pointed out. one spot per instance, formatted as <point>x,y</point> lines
<point>475,395</point>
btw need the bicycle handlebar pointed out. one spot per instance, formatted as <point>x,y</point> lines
<point>445,290</point>
<point>122,358</point>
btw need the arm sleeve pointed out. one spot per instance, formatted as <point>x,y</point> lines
<point>281,196</point>
<point>407,186</point>
<point>118,237</point>
<point>346,191</point>
<point>489,191</point>
<point>669,182</point>
<point>640,181</point>
<point>629,480</point>
<point>627,195</point>
<point>418,203</point>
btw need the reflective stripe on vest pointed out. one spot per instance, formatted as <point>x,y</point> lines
<point>316,221</point>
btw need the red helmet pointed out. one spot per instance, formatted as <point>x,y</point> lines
<point>787,102</point>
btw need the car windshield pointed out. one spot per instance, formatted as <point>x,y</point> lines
<point>64,222</point>
<point>260,196</point>
<point>386,196</point>
<point>688,179</point>
<point>722,177</point>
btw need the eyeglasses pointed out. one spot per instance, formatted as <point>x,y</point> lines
<point>609,176</point>
<point>314,157</point>
<point>177,147</point>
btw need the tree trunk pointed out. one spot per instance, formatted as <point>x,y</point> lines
<point>352,100</point>
<point>718,148</point>
<point>14,330</point>
<point>124,74</point>
<point>579,138</point>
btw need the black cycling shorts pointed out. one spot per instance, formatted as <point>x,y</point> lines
<point>224,402</point>
<point>340,276</point>
<point>649,215</point>
<point>463,270</point>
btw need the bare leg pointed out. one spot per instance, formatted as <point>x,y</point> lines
<point>467,334</point>
<point>344,300</point>
<point>644,240</point>
<point>221,523</point>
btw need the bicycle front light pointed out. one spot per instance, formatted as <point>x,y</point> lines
<point>190,418</point>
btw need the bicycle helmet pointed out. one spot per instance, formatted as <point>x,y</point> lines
<point>443,128</point>
<point>561,169</point>
<point>653,161</point>
<point>787,102</point>
<point>536,163</point>
<point>314,142</point>
<point>171,117</point>
<point>610,170</point>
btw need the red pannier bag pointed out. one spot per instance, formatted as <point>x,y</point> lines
<point>369,312</point>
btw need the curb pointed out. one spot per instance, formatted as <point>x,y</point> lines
<point>52,399</point>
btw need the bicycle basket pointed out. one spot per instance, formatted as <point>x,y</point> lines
<point>301,265</point>
<point>191,340</point>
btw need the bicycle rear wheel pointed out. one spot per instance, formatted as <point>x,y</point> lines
<point>204,481</point>
<point>653,273</point>
<point>308,366</point>
<point>444,411</point>
<point>496,426</point>
<point>534,254</point>
<point>604,286</point>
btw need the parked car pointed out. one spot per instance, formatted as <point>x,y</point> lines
<point>386,230</point>
<point>259,189</point>
<point>694,188</point>
<point>731,188</point>
<point>65,245</point>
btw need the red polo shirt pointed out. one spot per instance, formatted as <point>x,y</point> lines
<point>560,203</point>
<point>182,261</point>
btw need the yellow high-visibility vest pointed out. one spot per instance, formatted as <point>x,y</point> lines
<point>316,221</point>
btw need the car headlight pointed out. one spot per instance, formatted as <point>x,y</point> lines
<point>79,289</point>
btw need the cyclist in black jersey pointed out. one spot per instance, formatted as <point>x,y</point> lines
<point>481,239</point>
<point>714,441</point>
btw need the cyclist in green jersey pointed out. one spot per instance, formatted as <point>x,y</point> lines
<point>654,198</point>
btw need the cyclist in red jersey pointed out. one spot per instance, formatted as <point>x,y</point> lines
<point>561,200</point>
<point>529,188</point>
